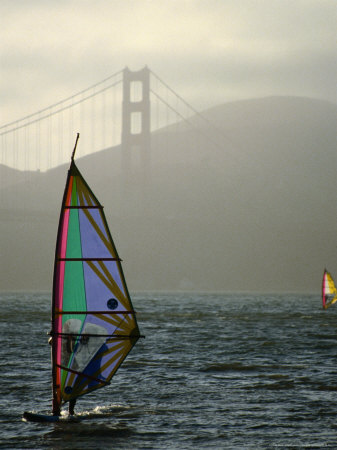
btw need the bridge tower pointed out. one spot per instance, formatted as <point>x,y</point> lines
<point>136,136</point>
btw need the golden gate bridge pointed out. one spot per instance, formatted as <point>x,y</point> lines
<point>123,109</point>
<point>139,141</point>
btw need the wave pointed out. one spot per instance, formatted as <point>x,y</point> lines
<point>239,367</point>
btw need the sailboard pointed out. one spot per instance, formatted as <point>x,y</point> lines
<point>94,325</point>
<point>329,291</point>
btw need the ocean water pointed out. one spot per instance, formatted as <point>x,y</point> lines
<point>232,371</point>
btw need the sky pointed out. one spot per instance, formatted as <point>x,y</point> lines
<point>209,51</point>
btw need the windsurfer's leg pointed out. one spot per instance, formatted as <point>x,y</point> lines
<point>72,404</point>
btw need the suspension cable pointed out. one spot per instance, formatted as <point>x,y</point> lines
<point>62,101</point>
<point>58,110</point>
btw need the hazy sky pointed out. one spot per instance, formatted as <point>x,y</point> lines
<point>209,51</point>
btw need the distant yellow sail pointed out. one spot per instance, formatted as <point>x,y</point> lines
<point>329,291</point>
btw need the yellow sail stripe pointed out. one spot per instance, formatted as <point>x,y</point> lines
<point>112,320</point>
<point>124,323</point>
<point>123,347</point>
<point>115,345</point>
<point>123,351</point>
<point>119,294</point>
<point>105,241</point>
<point>109,282</point>
<point>83,193</point>
<point>334,300</point>
<point>69,381</point>
<point>331,284</point>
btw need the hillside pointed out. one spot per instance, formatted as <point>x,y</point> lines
<point>243,201</point>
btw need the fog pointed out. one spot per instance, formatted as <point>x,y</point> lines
<point>245,204</point>
<point>248,206</point>
<point>210,52</point>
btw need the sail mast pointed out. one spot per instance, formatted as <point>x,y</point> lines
<point>73,154</point>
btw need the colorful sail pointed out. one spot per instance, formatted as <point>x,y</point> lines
<point>329,291</point>
<point>93,321</point>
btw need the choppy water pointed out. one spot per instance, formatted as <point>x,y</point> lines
<point>215,371</point>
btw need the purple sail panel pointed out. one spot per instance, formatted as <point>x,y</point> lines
<point>95,241</point>
<point>103,282</point>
